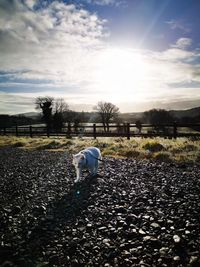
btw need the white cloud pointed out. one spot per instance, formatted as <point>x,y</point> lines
<point>183,43</point>
<point>55,42</point>
<point>106,2</point>
<point>101,2</point>
<point>30,3</point>
<point>179,25</point>
<point>176,54</point>
<point>13,104</point>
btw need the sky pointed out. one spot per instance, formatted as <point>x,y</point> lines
<point>136,54</point>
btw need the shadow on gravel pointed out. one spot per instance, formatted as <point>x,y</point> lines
<point>72,204</point>
<point>60,215</point>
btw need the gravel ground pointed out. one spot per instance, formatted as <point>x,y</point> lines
<point>135,213</point>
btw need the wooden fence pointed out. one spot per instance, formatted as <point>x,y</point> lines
<point>115,130</point>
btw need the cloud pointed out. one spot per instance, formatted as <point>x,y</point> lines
<point>55,42</point>
<point>13,104</point>
<point>183,43</point>
<point>179,25</point>
<point>30,3</point>
<point>101,2</point>
<point>179,52</point>
<point>106,2</point>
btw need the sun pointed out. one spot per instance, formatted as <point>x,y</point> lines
<point>121,72</point>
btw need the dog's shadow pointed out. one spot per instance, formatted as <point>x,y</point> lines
<point>75,201</point>
<point>62,212</point>
<point>65,210</point>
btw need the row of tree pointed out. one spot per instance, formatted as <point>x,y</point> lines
<point>10,120</point>
<point>52,111</point>
<point>56,112</point>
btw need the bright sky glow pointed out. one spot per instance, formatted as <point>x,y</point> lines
<point>121,73</point>
<point>136,54</point>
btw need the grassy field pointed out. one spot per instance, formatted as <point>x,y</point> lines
<point>180,150</point>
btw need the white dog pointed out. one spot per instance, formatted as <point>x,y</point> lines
<point>87,159</point>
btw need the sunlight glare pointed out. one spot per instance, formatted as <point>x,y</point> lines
<point>121,72</point>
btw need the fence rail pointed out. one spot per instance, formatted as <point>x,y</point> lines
<point>115,130</point>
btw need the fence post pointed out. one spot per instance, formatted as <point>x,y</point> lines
<point>31,133</point>
<point>128,131</point>
<point>16,130</point>
<point>94,131</point>
<point>47,131</point>
<point>4,131</point>
<point>175,130</point>
<point>69,128</point>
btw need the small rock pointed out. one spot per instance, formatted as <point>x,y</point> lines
<point>177,239</point>
<point>106,240</point>
<point>155,225</point>
<point>193,260</point>
<point>126,253</point>
<point>142,232</point>
<point>102,228</point>
<point>176,258</point>
<point>163,251</point>
<point>146,238</point>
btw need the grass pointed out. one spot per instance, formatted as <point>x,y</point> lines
<point>160,149</point>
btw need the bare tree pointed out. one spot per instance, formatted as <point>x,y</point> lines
<point>138,125</point>
<point>107,112</point>
<point>46,105</point>
<point>60,106</point>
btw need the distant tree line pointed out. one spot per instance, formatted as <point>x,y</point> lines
<point>55,114</point>
<point>157,117</point>
<point>10,120</point>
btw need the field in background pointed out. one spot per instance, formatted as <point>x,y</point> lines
<point>180,150</point>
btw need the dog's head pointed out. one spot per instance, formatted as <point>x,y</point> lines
<point>79,160</point>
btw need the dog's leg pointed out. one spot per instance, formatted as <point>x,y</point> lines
<point>91,170</point>
<point>96,167</point>
<point>78,174</point>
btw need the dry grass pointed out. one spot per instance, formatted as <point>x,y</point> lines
<point>180,150</point>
